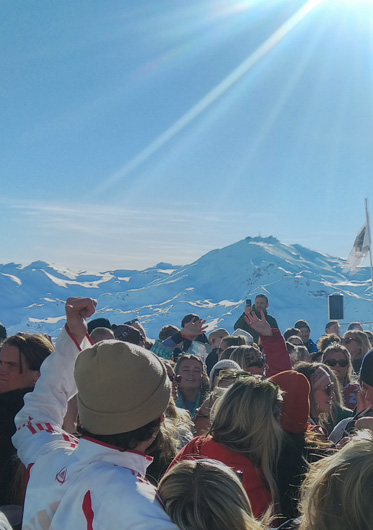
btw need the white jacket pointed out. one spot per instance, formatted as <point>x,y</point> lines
<point>78,484</point>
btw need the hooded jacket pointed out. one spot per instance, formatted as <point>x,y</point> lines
<point>253,479</point>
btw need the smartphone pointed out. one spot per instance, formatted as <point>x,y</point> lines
<point>248,301</point>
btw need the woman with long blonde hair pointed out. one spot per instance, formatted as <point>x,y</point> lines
<point>358,345</point>
<point>338,358</point>
<point>337,493</point>
<point>206,495</point>
<point>246,435</point>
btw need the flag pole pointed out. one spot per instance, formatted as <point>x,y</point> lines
<point>370,240</point>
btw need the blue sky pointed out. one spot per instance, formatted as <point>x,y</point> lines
<point>135,132</point>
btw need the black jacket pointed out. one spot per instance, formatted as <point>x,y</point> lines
<point>242,324</point>
<point>10,404</point>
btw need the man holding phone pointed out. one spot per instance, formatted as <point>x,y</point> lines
<point>261,304</point>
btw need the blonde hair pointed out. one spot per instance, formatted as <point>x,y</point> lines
<point>332,418</point>
<point>337,493</point>
<point>361,338</point>
<point>337,347</point>
<point>204,495</point>
<point>245,419</point>
<point>245,354</point>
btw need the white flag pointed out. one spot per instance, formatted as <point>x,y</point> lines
<point>359,250</point>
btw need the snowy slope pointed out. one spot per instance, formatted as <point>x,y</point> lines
<point>297,281</point>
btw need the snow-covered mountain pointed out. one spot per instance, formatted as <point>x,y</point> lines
<point>297,281</point>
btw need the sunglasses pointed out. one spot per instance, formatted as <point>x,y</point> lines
<point>233,374</point>
<point>333,362</point>
<point>329,389</point>
<point>176,378</point>
<point>348,340</point>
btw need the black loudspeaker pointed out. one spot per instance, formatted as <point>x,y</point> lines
<point>335,306</point>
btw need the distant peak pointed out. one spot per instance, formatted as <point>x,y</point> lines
<point>270,240</point>
<point>163,265</point>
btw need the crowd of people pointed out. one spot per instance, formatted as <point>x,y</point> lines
<point>252,429</point>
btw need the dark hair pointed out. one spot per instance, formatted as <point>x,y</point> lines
<point>35,348</point>
<point>127,333</point>
<point>167,331</point>
<point>353,326</point>
<point>234,340</point>
<point>326,340</point>
<point>188,318</point>
<point>291,332</point>
<point>262,296</point>
<point>98,323</point>
<point>302,324</point>
<point>126,440</point>
<point>330,323</point>
<point>309,370</point>
<point>227,353</point>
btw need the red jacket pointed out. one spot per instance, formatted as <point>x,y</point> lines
<point>277,355</point>
<point>253,480</point>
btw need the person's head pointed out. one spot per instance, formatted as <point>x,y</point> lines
<point>216,337</point>
<point>321,396</point>
<point>167,331</point>
<point>189,318</point>
<point>332,326</point>
<point>292,351</point>
<point>338,358</point>
<point>134,323</point>
<point>337,493</point>
<point>230,340</point>
<point>99,334</point>
<point>123,391</point>
<point>292,332</point>
<point>227,353</point>
<point>205,495</point>
<point>295,340</point>
<point>327,340</point>
<point>21,356</point>
<point>366,375</point>
<point>250,358</point>
<point>355,325</point>
<point>129,334</point>
<point>226,364</point>
<point>246,420</point>
<point>304,328</point>
<point>261,302</point>
<point>99,322</point>
<point>192,372</point>
<point>357,343</point>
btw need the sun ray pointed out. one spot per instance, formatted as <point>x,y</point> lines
<point>211,97</point>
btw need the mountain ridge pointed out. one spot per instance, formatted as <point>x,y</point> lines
<point>296,279</point>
